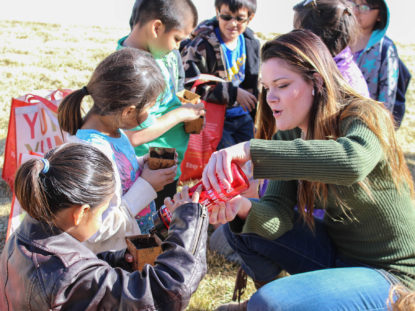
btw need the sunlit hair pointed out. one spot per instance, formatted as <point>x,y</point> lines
<point>172,13</point>
<point>235,5</point>
<point>333,103</point>
<point>401,299</point>
<point>128,77</point>
<point>332,20</point>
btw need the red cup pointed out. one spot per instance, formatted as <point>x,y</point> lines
<point>211,197</point>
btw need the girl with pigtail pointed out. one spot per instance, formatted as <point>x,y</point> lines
<point>123,87</point>
<point>45,266</point>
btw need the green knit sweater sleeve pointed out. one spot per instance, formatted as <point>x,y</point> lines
<point>344,161</point>
<point>287,159</point>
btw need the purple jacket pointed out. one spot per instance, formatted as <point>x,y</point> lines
<point>351,72</point>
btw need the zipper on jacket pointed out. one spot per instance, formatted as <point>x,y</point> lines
<point>200,222</point>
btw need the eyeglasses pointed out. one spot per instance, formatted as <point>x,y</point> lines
<point>238,19</point>
<point>362,8</point>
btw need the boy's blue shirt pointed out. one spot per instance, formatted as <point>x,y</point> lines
<point>235,68</point>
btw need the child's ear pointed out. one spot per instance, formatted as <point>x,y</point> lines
<point>251,17</point>
<point>157,28</point>
<point>79,213</point>
<point>126,112</point>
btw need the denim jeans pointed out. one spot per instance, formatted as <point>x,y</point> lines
<point>236,130</point>
<point>320,280</point>
<point>219,244</point>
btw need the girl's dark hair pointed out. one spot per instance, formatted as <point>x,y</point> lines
<point>172,13</point>
<point>235,5</point>
<point>383,13</point>
<point>128,77</point>
<point>78,174</point>
<point>332,20</point>
<point>335,103</point>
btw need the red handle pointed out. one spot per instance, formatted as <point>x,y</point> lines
<point>32,97</point>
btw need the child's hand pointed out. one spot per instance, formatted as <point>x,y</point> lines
<point>128,257</point>
<point>189,112</point>
<point>143,159</point>
<point>182,197</point>
<point>159,178</point>
<point>227,211</point>
<point>245,99</point>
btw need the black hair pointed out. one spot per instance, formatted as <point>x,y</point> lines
<point>332,20</point>
<point>134,13</point>
<point>235,5</point>
<point>383,13</point>
<point>78,174</point>
<point>128,77</point>
<point>172,13</point>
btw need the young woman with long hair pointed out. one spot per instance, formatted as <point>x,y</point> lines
<point>325,147</point>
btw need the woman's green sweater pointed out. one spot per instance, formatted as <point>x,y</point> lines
<point>375,229</point>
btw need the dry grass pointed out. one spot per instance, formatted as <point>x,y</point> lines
<point>48,56</point>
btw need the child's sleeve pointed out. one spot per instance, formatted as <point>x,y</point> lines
<point>118,220</point>
<point>180,71</point>
<point>388,78</point>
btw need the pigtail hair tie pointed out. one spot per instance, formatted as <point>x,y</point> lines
<point>46,165</point>
<point>84,91</point>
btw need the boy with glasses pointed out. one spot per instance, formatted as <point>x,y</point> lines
<point>224,47</point>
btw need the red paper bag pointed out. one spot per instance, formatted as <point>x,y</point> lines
<point>201,146</point>
<point>33,127</point>
<point>16,212</point>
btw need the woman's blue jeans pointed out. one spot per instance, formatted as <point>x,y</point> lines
<point>320,280</point>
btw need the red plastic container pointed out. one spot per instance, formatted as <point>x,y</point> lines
<point>211,197</point>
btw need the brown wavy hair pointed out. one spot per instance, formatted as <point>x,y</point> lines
<point>334,102</point>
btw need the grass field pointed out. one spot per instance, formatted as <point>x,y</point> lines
<point>38,56</point>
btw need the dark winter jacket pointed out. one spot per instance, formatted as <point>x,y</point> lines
<point>43,268</point>
<point>202,54</point>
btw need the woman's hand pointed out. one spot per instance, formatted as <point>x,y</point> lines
<point>252,191</point>
<point>159,178</point>
<point>227,211</point>
<point>182,197</point>
<point>220,164</point>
